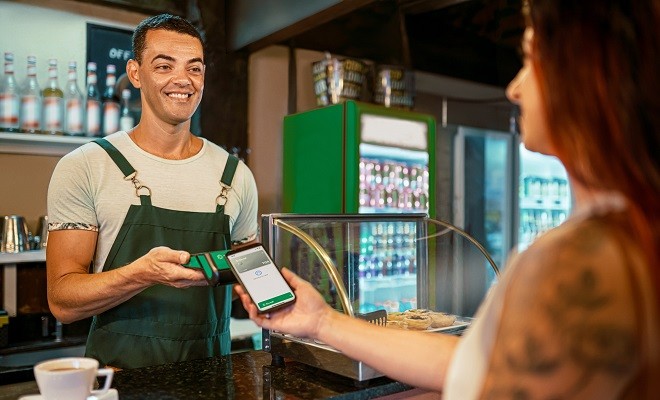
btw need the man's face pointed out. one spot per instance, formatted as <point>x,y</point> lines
<point>171,76</point>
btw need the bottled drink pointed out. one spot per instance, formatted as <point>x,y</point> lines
<point>9,100</point>
<point>126,121</point>
<point>31,100</point>
<point>93,103</point>
<point>110,103</point>
<point>73,118</point>
<point>53,97</point>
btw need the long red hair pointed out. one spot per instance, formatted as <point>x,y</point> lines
<point>599,63</point>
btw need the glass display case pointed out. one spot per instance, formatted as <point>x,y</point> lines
<point>376,267</point>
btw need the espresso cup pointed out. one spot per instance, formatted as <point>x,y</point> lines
<point>70,378</point>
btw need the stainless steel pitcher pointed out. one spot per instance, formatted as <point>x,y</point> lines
<point>14,234</point>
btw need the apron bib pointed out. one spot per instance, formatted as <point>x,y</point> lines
<point>163,324</point>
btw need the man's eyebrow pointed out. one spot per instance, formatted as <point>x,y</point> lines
<point>163,56</point>
<point>170,58</point>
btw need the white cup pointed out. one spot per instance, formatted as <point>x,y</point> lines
<point>70,378</point>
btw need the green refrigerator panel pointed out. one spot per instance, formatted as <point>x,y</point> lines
<point>313,175</point>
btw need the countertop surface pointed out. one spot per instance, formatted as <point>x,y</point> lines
<point>246,375</point>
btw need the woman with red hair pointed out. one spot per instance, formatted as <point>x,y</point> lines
<point>576,315</point>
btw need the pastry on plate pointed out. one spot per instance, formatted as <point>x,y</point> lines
<point>442,320</point>
<point>395,316</point>
<point>417,322</point>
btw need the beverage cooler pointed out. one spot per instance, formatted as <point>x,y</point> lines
<point>327,250</point>
<point>544,195</point>
<point>362,158</point>
<point>358,158</point>
<point>505,195</point>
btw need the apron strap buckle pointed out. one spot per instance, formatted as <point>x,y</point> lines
<point>223,194</point>
<point>138,186</point>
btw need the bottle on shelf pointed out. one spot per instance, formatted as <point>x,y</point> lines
<point>31,100</point>
<point>73,117</point>
<point>110,103</point>
<point>126,121</point>
<point>9,97</point>
<point>53,106</point>
<point>93,103</point>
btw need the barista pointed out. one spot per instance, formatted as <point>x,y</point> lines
<point>135,204</point>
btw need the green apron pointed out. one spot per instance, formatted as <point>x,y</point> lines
<point>163,324</point>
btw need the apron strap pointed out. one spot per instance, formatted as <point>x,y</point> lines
<point>230,169</point>
<point>126,169</point>
<point>227,178</point>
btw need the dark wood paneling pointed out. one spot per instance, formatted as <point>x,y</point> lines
<point>224,105</point>
<point>176,7</point>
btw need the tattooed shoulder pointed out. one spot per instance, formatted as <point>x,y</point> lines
<point>568,325</point>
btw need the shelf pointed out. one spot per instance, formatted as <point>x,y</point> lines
<point>541,203</point>
<point>39,144</point>
<point>387,282</point>
<point>23,257</point>
<point>9,266</point>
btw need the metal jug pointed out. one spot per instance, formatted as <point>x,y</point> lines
<point>14,234</point>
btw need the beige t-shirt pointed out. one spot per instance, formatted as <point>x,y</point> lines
<point>88,191</point>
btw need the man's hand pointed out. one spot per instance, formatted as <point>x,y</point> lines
<point>164,265</point>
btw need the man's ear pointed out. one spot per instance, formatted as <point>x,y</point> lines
<point>132,71</point>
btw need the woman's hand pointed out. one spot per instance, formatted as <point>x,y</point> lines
<point>304,318</point>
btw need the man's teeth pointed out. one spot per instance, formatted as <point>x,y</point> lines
<point>179,95</point>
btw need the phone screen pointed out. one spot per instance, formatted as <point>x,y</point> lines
<point>260,277</point>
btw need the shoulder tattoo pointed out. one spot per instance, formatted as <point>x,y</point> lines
<point>567,326</point>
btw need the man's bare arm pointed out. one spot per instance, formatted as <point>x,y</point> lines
<point>74,293</point>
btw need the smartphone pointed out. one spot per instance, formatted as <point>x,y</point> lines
<point>260,278</point>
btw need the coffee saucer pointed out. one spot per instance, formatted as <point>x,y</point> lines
<point>111,394</point>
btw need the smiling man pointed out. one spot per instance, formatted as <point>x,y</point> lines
<point>126,212</point>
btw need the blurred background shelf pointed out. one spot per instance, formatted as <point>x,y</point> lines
<point>30,143</point>
<point>23,257</point>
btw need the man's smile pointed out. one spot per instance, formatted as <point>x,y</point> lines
<point>179,95</point>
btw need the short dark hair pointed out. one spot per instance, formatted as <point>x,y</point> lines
<point>166,22</point>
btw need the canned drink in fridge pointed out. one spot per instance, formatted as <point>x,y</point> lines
<point>423,200</point>
<point>364,196</point>
<point>393,196</point>
<point>382,196</point>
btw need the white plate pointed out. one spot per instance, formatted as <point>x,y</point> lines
<point>111,394</point>
<point>459,323</point>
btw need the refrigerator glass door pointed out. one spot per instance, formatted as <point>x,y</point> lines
<point>545,195</point>
<point>484,188</point>
<point>393,178</point>
<point>484,191</point>
<point>393,165</point>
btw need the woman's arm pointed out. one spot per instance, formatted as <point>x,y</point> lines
<point>417,358</point>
